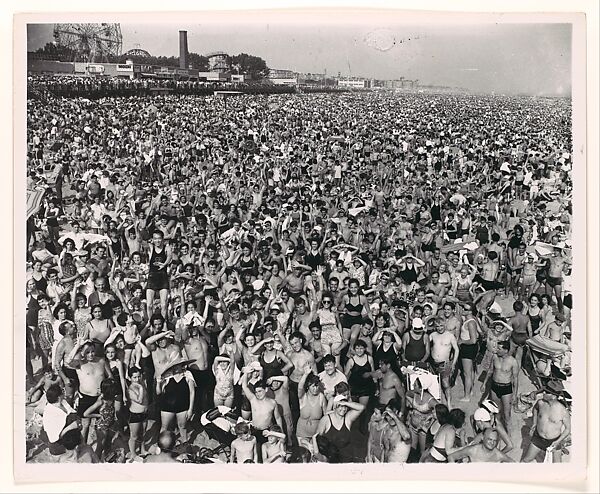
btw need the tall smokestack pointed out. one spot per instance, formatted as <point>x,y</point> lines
<point>183,50</point>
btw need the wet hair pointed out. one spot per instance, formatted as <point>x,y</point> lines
<point>518,306</point>
<point>62,329</point>
<point>134,370</point>
<point>328,359</point>
<point>242,428</point>
<point>504,344</point>
<point>299,454</point>
<point>109,389</point>
<point>71,439</point>
<point>492,255</point>
<point>311,380</point>
<point>360,343</point>
<point>456,418</point>
<point>300,336</point>
<point>341,388</point>
<point>53,393</point>
<point>442,413</point>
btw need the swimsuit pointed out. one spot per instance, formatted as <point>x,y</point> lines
<point>502,389</point>
<point>85,402</point>
<point>541,443</point>
<point>158,279</point>
<point>359,385</point>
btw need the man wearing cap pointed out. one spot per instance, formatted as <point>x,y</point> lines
<point>415,343</point>
<point>484,452</point>
<point>551,424</point>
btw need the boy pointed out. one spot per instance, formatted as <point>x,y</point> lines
<point>36,393</point>
<point>138,407</point>
<point>243,449</point>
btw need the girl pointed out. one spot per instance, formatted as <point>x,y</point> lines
<point>103,410</point>
<point>118,372</point>
<point>223,371</point>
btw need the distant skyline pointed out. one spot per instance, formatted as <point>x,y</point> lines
<point>530,59</point>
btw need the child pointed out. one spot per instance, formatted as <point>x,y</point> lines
<point>36,393</point>
<point>243,449</point>
<point>273,451</point>
<point>138,406</point>
<point>45,331</point>
<point>104,413</point>
<point>223,371</point>
<point>133,353</point>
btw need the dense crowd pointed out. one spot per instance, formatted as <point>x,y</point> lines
<point>368,277</point>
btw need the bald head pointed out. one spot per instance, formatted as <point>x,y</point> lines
<point>166,440</point>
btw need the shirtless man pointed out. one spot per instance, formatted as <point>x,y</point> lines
<point>165,352</point>
<point>551,424</point>
<point>505,379</point>
<point>294,282</point>
<point>91,371</point>
<point>303,318</point>
<point>390,387</point>
<point>452,321</point>
<point>64,347</point>
<point>436,287</point>
<point>489,272</point>
<point>521,330</point>
<point>195,347</point>
<point>265,411</point>
<point>485,452</point>
<point>444,346</point>
<point>300,358</point>
<point>556,264</point>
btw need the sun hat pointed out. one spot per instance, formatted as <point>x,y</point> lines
<point>417,322</point>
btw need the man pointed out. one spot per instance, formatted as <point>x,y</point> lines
<point>91,371</point>
<point>165,352</point>
<point>551,424</point>
<point>556,265</point>
<point>265,411</point>
<point>294,282</point>
<point>444,355</point>
<point>300,358</point>
<point>485,452</point>
<point>505,379</point>
<point>330,376</point>
<point>436,287</point>
<point>76,451</point>
<point>196,348</point>
<point>164,454</point>
<point>160,256</point>
<point>64,347</point>
<point>103,297</point>
<point>390,387</point>
<point>451,320</point>
<point>58,419</point>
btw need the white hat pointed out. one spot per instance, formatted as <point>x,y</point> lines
<point>490,406</point>
<point>482,414</point>
<point>417,322</point>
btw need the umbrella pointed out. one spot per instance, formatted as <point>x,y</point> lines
<point>34,201</point>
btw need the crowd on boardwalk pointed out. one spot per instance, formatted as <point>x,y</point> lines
<point>359,277</point>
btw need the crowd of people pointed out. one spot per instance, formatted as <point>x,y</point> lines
<point>358,277</point>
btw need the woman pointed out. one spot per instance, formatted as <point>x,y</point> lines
<point>444,441</point>
<point>274,362</point>
<point>68,271</point>
<point>421,407</point>
<point>354,307</point>
<point>335,427</point>
<point>118,374</point>
<point>359,371</point>
<point>82,314</point>
<point>176,389</point>
<point>98,329</point>
<point>331,328</point>
<point>534,312</point>
<point>313,405</point>
<point>387,345</point>
<point>41,283</point>
<point>468,349</point>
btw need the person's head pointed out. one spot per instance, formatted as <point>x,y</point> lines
<point>312,384</point>
<point>297,341</point>
<point>88,352</point>
<point>439,325</point>
<point>272,438</point>
<point>442,414</point>
<point>260,389</point>
<point>360,347</point>
<point>503,348</point>
<point>61,312</point>
<point>490,439</point>
<point>299,454</point>
<point>449,309</point>
<point>109,389</point>
<point>456,418</point>
<point>378,413</point>
<point>54,393</point>
<point>135,375</point>
<point>328,362</point>
<point>385,364</point>
<point>242,431</point>
<point>158,238</point>
<point>110,352</point>
<point>166,441</point>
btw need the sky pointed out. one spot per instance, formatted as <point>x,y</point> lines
<point>514,58</point>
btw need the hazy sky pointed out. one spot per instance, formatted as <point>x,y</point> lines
<point>510,58</point>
